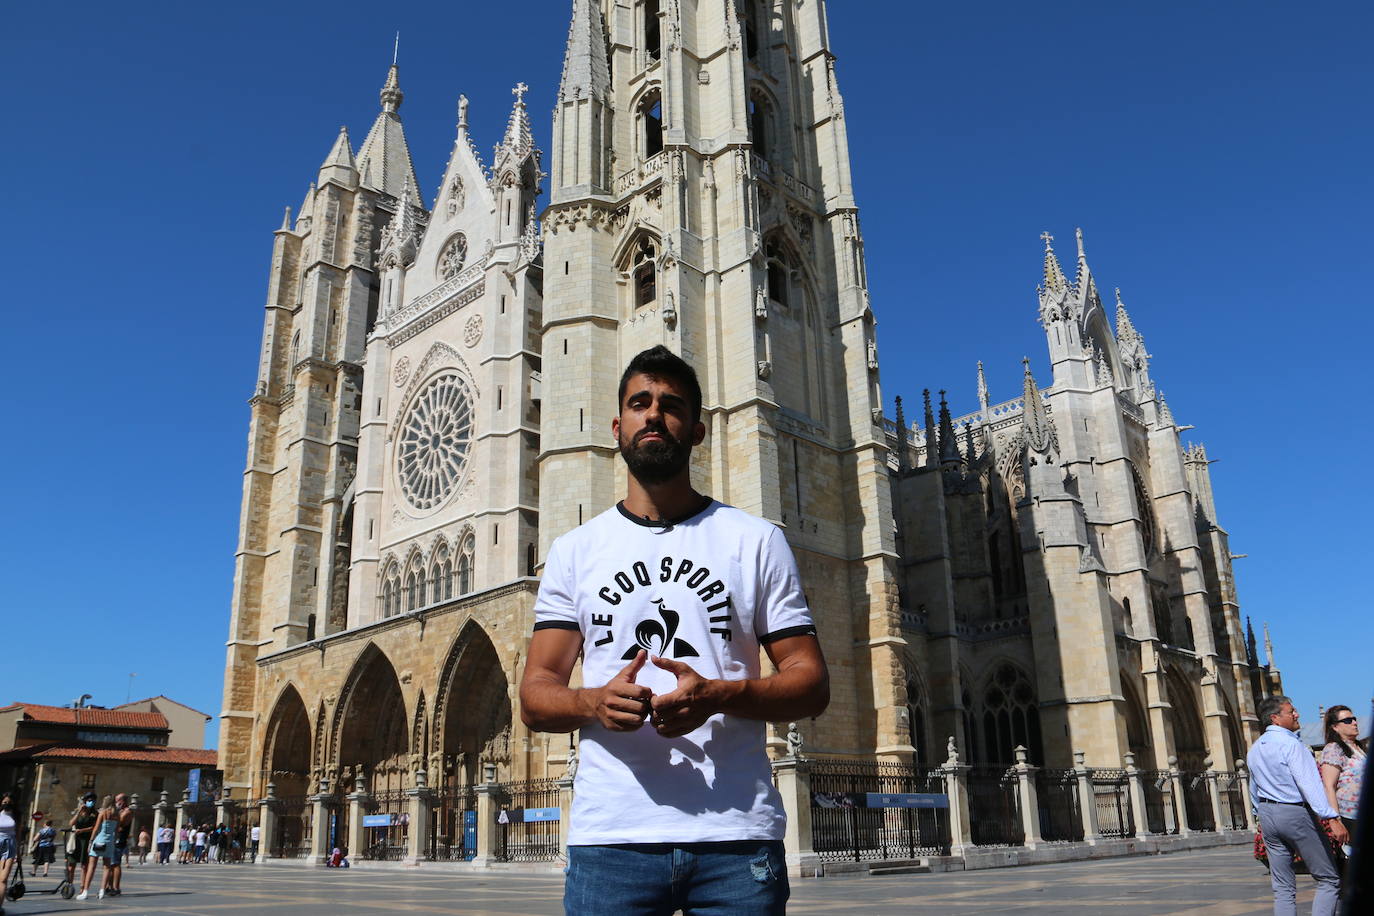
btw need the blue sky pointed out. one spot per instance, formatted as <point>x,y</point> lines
<point>1215,155</point>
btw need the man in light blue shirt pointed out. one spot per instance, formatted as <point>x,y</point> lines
<point>1288,793</point>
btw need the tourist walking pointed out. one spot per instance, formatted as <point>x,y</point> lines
<point>9,844</point>
<point>1290,798</point>
<point>1343,763</point>
<point>198,840</point>
<point>102,849</point>
<point>79,837</point>
<point>668,598</point>
<point>254,835</point>
<point>124,820</point>
<point>145,844</point>
<point>165,836</point>
<point>44,849</point>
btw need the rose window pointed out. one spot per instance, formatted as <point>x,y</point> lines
<point>433,442</point>
<point>452,257</point>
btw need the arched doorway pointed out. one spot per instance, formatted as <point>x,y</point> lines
<point>286,746</point>
<point>473,710</point>
<point>1190,743</point>
<point>371,738</point>
<point>1137,727</point>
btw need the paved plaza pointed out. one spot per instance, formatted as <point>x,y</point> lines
<point>1218,882</point>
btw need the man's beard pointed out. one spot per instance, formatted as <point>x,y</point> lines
<point>654,463</point>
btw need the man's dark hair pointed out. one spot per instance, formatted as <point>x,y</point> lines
<point>1270,706</point>
<point>660,362</point>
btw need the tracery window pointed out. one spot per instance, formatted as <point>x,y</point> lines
<point>415,585</point>
<point>751,29</point>
<point>916,720</point>
<point>465,565</point>
<point>442,575</point>
<point>758,125</point>
<point>1011,716</point>
<point>644,272</point>
<point>391,590</point>
<point>434,440</point>
<point>779,274</point>
<point>452,257</point>
<point>1147,514</point>
<point>295,350</point>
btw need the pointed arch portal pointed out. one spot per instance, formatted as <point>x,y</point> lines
<point>472,713</point>
<point>372,735</point>
<point>286,746</point>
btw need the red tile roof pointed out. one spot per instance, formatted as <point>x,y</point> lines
<point>162,696</point>
<point>100,718</point>
<point>186,756</point>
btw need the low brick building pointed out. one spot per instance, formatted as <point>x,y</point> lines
<point>52,755</point>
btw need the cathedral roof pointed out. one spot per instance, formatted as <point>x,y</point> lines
<point>385,155</point>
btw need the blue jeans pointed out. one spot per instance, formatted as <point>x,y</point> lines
<point>739,878</point>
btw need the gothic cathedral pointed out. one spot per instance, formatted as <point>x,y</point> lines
<point>433,408</point>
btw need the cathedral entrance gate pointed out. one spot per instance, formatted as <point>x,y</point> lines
<point>473,709</point>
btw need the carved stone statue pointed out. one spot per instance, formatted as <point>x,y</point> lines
<point>572,762</point>
<point>794,740</point>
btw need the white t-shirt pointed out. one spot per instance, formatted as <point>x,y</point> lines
<point>708,591</point>
<point>200,837</point>
<point>254,833</point>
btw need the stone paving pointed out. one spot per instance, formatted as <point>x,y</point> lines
<point>1218,882</point>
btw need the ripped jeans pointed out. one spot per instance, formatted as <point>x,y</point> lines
<point>738,878</point>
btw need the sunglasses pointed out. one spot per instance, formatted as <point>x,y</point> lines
<point>1346,721</point>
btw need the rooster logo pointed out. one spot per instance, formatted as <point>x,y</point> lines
<point>655,638</point>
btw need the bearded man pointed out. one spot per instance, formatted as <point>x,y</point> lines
<point>668,596</point>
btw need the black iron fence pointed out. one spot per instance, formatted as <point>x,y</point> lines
<point>1056,792</point>
<point>292,836</point>
<point>1112,802</point>
<point>994,803</point>
<point>1197,801</point>
<point>385,827</point>
<point>453,826</point>
<point>1159,812</point>
<point>1233,801</point>
<point>844,826</point>
<point>525,830</point>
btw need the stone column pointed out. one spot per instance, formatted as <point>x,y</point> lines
<point>323,801</point>
<point>181,817</point>
<point>565,799</point>
<point>1243,784</point>
<point>267,825</point>
<point>1136,787</point>
<point>488,794</point>
<point>1087,798</point>
<point>420,807</point>
<point>1029,799</point>
<point>1180,806</point>
<point>162,813</point>
<point>358,803</point>
<point>793,778</point>
<point>224,809</point>
<point>956,787</point>
<point>1214,796</point>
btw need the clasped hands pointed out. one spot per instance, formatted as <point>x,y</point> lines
<point>622,705</point>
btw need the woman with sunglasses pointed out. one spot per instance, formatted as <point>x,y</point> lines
<point>1342,763</point>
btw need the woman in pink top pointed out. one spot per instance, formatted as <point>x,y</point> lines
<point>1342,762</point>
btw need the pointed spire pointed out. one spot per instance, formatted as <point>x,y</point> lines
<point>1083,279</point>
<point>306,209</point>
<point>462,115</point>
<point>1251,653</point>
<point>1040,433</point>
<point>1166,416</point>
<point>949,444</point>
<point>391,94</point>
<point>983,393</point>
<point>586,72</point>
<point>970,450</point>
<point>1054,274</point>
<point>1268,648</point>
<point>902,463</point>
<point>384,158</point>
<point>286,221</point>
<point>1124,329</point>
<point>519,139</point>
<point>932,447</point>
<point>341,153</point>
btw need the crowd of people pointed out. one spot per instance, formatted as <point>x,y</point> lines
<point>99,837</point>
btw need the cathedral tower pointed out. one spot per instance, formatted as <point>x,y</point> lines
<point>291,567</point>
<point>701,198</point>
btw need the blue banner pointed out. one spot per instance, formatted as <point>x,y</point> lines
<point>193,783</point>
<point>906,800</point>
<point>378,820</point>
<point>535,815</point>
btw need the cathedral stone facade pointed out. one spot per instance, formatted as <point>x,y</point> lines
<point>433,408</point>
